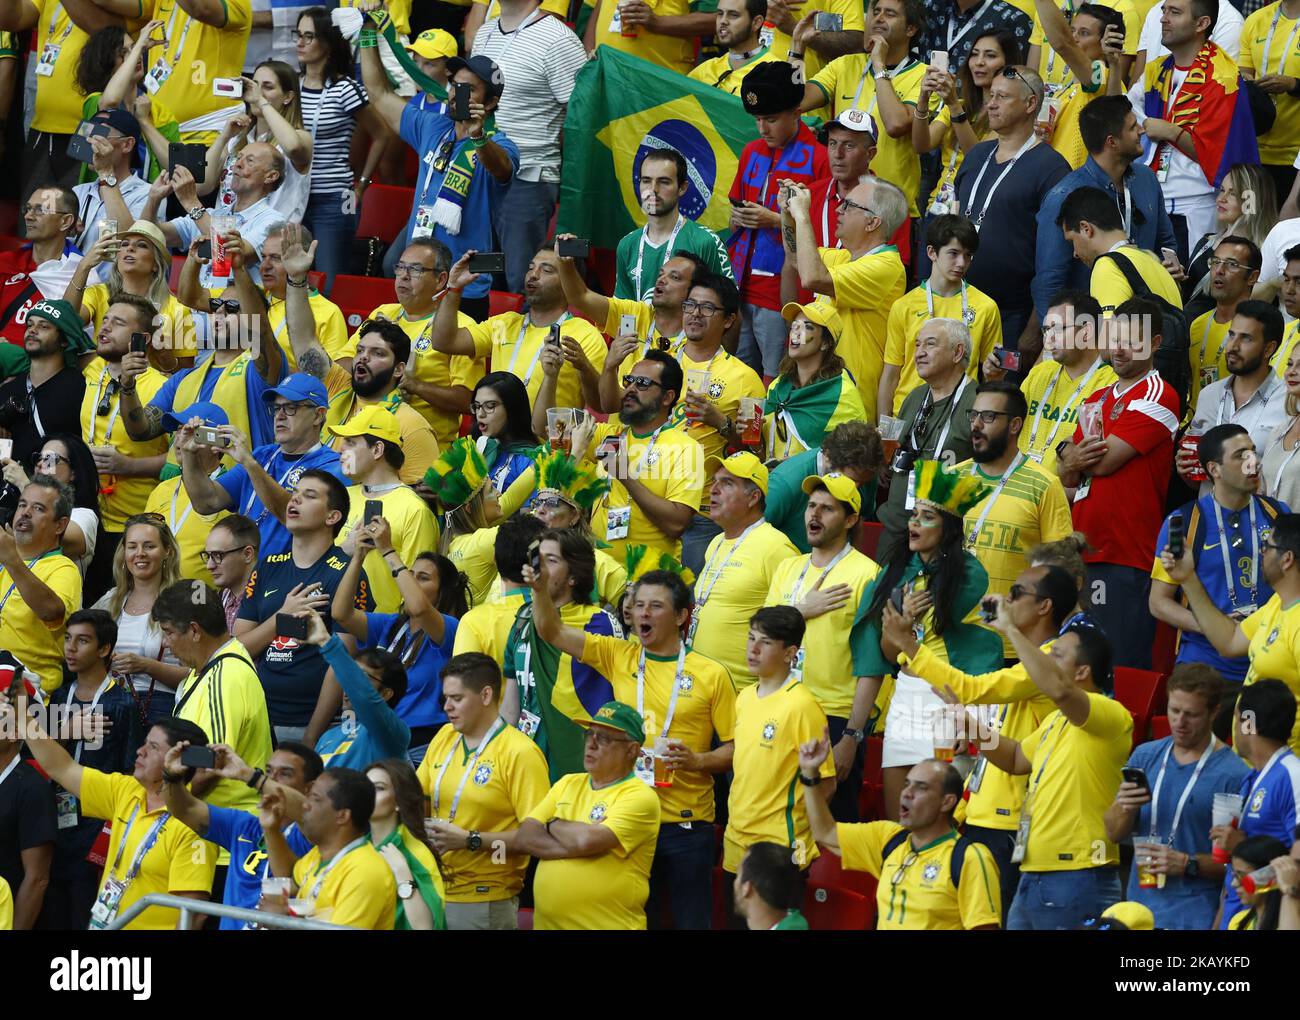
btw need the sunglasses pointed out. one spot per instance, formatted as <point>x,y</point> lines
<point>548,503</point>
<point>641,382</point>
<point>50,457</point>
<point>1016,591</point>
<point>106,402</point>
<point>229,304</point>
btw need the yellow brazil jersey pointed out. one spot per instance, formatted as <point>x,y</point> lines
<point>509,780</point>
<point>913,310</point>
<point>848,84</point>
<point>722,74</point>
<point>1127,9</point>
<point>1244,920</point>
<point>1054,396</point>
<point>415,531</point>
<point>645,328</point>
<point>1068,103</point>
<point>705,706</point>
<point>1111,289</point>
<point>606,892</point>
<point>1209,352</point>
<point>175,332</point>
<point>827,657</point>
<point>189,528</point>
<point>486,628</point>
<point>120,496</point>
<point>331,328</point>
<point>1274,634</point>
<point>226,701</point>
<point>475,556</point>
<point>58,44</point>
<point>766,799</point>
<point>357,890</point>
<point>951,155</point>
<point>1031,508</point>
<point>176,862</point>
<point>1270,28</point>
<point>849,10</point>
<point>916,890</point>
<point>39,644</point>
<point>731,588</point>
<point>1283,354</point>
<point>865,288</point>
<point>6,897</point>
<point>668,462</point>
<point>193,46</point>
<point>514,345</point>
<point>676,53</point>
<point>430,366</point>
<point>1010,704</point>
<point>1074,775</point>
<point>419,444</point>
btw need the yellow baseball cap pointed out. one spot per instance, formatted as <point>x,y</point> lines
<point>743,465</point>
<point>372,420</point>
<point>1134,916</point>
<point>821,312</point>
<point>434,43</point>
<point>842,487</point>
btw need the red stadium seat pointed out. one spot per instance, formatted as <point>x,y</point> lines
<point>828,870</point>
<point>869,533</point>
<point>357,296</point>
<point>1164,648</point>
<point>524,918</point>
<point>832,908</point>
<point>1160,727</point>
<point>384,212</point>
<point>1138,691</point>
<point>500,301</point>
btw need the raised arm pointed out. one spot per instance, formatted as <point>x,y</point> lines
<point>387,103</point>
<point>180,802</point>
<point>445,333</point>
<point>546,617</point>
<point>92,17</point>
<point>418,608</point>
<point>205,494</point>
<point>813,274</point>
<point>75,293</point>
<point>52,757</point>
<point>17,15</point>
<point>295,143</point>
<point>1043,670</point>
<point>308,351</point>
<point>122,84</point>
<point>1060,38</point>
<point>216,154</point>
<point>268,358</point>
<point>343,609</point>
<point>1222,631</point>
<point>588,303</point>
<point>820,821</point>
<point>210,12</point>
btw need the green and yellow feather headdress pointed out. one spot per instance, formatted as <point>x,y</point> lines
<point>458,474</point>
<point>575,482</point>
<point>949,491</point>
<point>639,562</point>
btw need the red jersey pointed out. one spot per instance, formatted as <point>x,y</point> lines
<point>18,292</point>
<point>826,216</point>
<point>1121,513</point>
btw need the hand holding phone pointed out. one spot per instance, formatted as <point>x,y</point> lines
<point>289,626</point>
<point>1135,776</point>
<point>195,757</point>
<point>486,262</point>
<point>1177,536</point>
<point>374,508</point>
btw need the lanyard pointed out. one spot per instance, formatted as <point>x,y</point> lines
<point>54,16</point>
<point>705,585</point>
<point>1289,457</point>
<point>185,32</point>
<point>94,410</point>
<point>537,354</point>
<point>955,37</point>
<point>320,873</point>
<point>14,584</point>
<point>654,329</point>
<point>1056,381</point>
<point>1047,757</point>
<point>966,317</point>
<point>1259,779</point>
<point>500,57</point>
<point>35,408</point>
<point>826,220</point>
<point>988,506</point>
<point>10,767</point>
<point>1228,405</point>
<point>1127,212</point>
<point>1268,43</point>
<point>108,682</point>
<point>952,409</point>
<point>293,466</point>
<point>1187,791</point>
<point>672,698</point>
<point>143,849</point>
<point>899,68</point>
<point>1030,142</point>
<point>428,174</point>
<point>497,724</point>
<point>668,250</point>
<point>1205,339</point>
<point>798,583</point>
<point>171,516</point>
<point>1223,550</point>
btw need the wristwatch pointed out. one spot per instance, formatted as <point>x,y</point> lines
<point>960,118</point>
<point>809,782</point>
<point>474,841</point>
<point>405,890</point>
<point>1061,446</point>
<point>197,213</point>
<point>108,179</point>
<point>858,735</point>
<point>1193,869</point>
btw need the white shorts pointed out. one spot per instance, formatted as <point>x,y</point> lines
<point>909,725</point>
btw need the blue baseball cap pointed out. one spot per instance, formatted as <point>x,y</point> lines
<point>212,415</point>
<point>299,387</point>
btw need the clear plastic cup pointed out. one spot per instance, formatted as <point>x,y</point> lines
<point>1224,810</point>
<point>663,774</point>
<point>1090,420</point>
<point>751,421</point>
<point>559,427</point>
<point>947,731</point>
<point>1261,880</point>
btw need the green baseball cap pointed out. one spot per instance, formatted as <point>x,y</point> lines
<point>614,715</point>
<point>65,319</point>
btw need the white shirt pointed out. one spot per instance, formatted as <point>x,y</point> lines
<point>136,635</point>
<point>1260,415</point>
<point>1185,179</point>
<point>1284,236</point>
<point>254,223</point>
<point>88,521</point>
<point>90,210</point>
<point>1226,34</point>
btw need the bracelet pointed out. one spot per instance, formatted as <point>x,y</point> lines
<point>173,777</point>
<point>123,390</point>
<point>257,777</point>
<point>296,283</point>
<point>398,570</point>
<point>792,55</point>
<point>1294,90</point>
<point>387,553</point>
<point>809,782</point>
<point>918,115</point>
<point>368,39</point>
<point>960,118</point>
<point>363,180</point>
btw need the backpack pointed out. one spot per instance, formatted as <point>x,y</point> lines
<point>1173,359</point>
<point>958,853</point>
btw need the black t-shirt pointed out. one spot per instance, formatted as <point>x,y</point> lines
<point>1004,265</point>
<point>57,409</point>
<point>27,819</point>
<point>291,672</point>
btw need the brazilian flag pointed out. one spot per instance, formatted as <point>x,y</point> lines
<point>624,107</point>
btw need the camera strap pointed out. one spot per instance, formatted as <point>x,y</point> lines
<point>189,691</point>
<point>35,411</point>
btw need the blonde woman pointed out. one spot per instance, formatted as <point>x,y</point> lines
<point>1246,206</point>
<point>1279,464</point>
<point>147,561</point>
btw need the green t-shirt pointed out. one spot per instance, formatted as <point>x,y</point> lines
<point>786,500</point>
<point>793,921</point>
<point>691,238</point>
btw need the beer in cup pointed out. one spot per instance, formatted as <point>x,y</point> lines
<point>559,428</point>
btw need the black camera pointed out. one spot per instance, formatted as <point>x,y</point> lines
<point>904,460</point>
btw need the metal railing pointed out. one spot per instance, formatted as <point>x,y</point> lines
<point>188,907</point>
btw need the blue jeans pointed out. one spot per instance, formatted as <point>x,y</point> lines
<point>523,222</point>
<point>334,231</point>
<point>1062,900</point>
<point>845,804</point>
<point>695,542</point>
<point>682,877</point>
<point>1000,843</point>
<point>763,334</point>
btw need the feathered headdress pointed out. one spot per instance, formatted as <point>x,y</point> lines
<point>639,562</point>
<point>950,491</point>
<point>458,474</point>
<point>575,482</point>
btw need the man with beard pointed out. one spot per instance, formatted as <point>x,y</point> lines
<point>1027,504</point>
<point>46,398</point>
<point>739,26</point>
<point>1234,271</point>
<point>514,340</point>
<point>662,182</point>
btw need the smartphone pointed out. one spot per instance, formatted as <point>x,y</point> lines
<point>191,155</point>
<point>1007,360</point>
<point>627,325</point>
<point>939,61</point>
<point>1136,776</point>
<point>573,248</point>
<point>896,599</point>
<point>738,203</point>
<point>199,758</point>
<point>460,96</point>
<point>139,343</point>
<point>825,21</point>
<point>209,436</point>
<point>1176,535</point>
<point>290,626</point>
<point>553,337</point>
<point>989,609</point>
<point>374,508</point>
<point>79,147</point>
<point>535,557</point>
<point>487,262</point>
<point>6,449</point>
<point>228,88</point>
<point>204,250</point>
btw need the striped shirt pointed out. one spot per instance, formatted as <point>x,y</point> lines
<point>539,62</point>
<point>330,115</point>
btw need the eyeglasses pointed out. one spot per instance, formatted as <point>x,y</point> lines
<point>549,503</point>
<point>50,457</point>
<point>987,417</point>
<point>847,203</point>
<point>641,382</point>
<point>1267,544</point>
<point>705,308</point>
<point>601,739</point>
<point>106,402</point>
<point>306,37</point>
<point>39,210</point>
<point>217,555</point>
<point>1231,265</point>
<point>486,406</point>
<point>1016,591</point>
<point>288,410</point>
<point>229,304</point>
<point>901,873</point>
<point>411,269</point>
